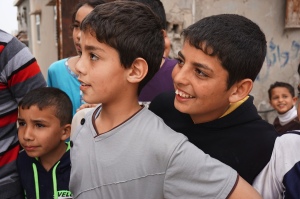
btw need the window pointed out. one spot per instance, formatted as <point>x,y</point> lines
<point>38,28</point>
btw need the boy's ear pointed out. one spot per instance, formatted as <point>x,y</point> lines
<point>271,103</point>
<point>167,44</point>
<point>240,90</point>
<point>66,131</point>
<point>138,70</point>
<point>295,100</point>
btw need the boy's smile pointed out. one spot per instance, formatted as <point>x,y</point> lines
<point>282,100</point>
<point>200,84</point>
<point>181,94</point>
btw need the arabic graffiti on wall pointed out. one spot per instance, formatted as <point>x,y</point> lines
<point>276,56</point>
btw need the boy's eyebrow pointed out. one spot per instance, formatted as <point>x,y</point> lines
<point>92,48</point>
<point>36,121</point>
<point>196,64</point>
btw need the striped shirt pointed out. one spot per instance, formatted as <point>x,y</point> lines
<point>19,73</point>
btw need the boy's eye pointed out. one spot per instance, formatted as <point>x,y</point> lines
<point>93,57</point>
<point>39,125</point>
<point>21,123</point>
<point>179,61</point>
<point>75,26</point>
<point>200,73</point>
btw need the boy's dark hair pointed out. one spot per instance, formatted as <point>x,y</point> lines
<point>132,29</point>
<point>46,97</point>
<point>281,84</point>
<point>238,43</point>
<point>158,8</point>
<point>92,3</point>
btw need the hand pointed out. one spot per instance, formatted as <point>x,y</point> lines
<point>83,106</point>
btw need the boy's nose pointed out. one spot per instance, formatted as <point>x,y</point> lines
<point>79,66</point>
<point>180,75</point>
<point>27,134</point>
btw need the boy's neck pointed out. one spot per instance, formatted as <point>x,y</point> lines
<point>111,117</point>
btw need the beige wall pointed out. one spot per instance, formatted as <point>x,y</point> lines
<point>283,55</point>
<point>44,50</point>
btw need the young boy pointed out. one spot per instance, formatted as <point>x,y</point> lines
<point>122,150</point>
<point>220,59</point>
<point>44,121</point>
<point>282,99</point>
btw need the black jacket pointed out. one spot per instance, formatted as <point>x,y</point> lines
<point>42,184</point>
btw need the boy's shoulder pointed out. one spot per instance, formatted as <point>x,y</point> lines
<point>24,163</point>
<point>80,117</point>
<point>23,156</point>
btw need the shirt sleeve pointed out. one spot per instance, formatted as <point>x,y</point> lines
<point>23,72</point>
<point>194,174</point>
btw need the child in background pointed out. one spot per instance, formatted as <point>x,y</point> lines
<point>62,73</point>
<point>282,99</point>
<point>44,166</point>
<point>121,149</point>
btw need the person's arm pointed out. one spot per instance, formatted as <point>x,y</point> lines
<point>83,106</point>
<point>24,73</point>
<point>194,174</point>
<point>243,190</point>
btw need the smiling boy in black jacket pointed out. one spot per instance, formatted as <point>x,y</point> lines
<point>217,65</point>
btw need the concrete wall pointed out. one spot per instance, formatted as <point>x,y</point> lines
<point>44,50</point>
<point>283,53</point>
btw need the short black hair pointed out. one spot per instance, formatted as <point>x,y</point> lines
<point>158,8</point>
<point>132,29</point>
<point>46,97</point>
<point>238,43</point>
<point>281,84</point>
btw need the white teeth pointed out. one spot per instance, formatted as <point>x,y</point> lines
<point>182,94</point>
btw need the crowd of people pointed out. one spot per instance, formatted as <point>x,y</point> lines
<point>122,120</point>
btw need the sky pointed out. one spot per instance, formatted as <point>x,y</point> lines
<point>8,16</point>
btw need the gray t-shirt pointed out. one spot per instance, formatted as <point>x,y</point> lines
<point>143,159</point>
